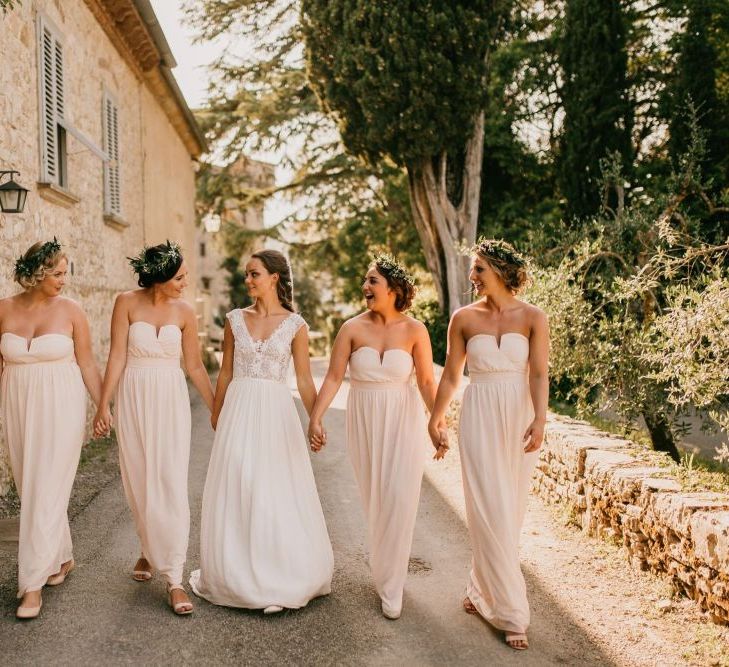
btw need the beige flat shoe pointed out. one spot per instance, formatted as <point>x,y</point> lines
<point>180,608</point>
<point>273,609</point>
<point>28,613</point>
<point>66,569</point>
<point>390,612</point>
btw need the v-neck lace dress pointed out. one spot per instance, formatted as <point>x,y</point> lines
<point>387,441</point>
<point>263,539</point>
<point>43,411</point>
<point>153,425</point>
<point>496,412</point>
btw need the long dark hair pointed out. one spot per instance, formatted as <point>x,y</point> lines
<point>276,262</point>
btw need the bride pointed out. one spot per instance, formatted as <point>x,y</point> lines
<point>263,540</point>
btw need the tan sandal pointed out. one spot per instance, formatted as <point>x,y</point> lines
<point>517,641</point>
<point>469,606</point>
<point>60,577</point>
<point>179,607</point>
<point>140,573</point>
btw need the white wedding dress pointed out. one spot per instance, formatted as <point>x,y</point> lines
<point>263,539</point>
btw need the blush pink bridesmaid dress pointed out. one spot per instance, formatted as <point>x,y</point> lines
<point>153,425</point>
<point>387,441</point>
<point>43,402</point>
<point>496,412</point>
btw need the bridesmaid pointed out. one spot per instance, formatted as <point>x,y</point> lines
<point>506,344</point>
<point>46,357</point>
<point>150,328</point>
<point>386,427</point>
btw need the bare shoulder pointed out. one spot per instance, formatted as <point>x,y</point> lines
<point>354,323</point>
<point>69,305</point>
<point>127,298</point>
<point>535,315</point>
<point>184,308</point>
<point>415,327</point>
<point>464,314</point>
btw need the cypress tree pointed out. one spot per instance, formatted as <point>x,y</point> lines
<point>597,109</point>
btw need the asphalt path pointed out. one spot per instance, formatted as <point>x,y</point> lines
<point>100,616</point>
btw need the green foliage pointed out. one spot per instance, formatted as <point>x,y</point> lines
<point>428,311</point>
<point>404,80</point>
<point>7,5</point>
<point>597,110</point>
<point>693,85</point>
<point>638,311</point>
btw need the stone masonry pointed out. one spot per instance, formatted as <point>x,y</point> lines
<point>613,492</point>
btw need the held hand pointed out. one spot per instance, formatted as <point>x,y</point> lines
<point>317,436</point>
<point>214,420</point>
<point>534,436</point>
<point>439,436</point>
<point>103,421</point>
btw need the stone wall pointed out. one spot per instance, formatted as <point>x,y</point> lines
<point>614,491</point>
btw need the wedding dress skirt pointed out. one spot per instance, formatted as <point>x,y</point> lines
<point>263,538</point>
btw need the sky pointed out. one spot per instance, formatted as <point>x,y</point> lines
<point>191,76</point>
<point>191,58</point>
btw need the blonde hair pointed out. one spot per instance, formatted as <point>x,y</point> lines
<point>29,279</point>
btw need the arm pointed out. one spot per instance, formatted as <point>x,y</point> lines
<point>193,359</point>
<point>423,360</point>
<point>449,381</point>
<point>226,373</point>
<point>302,366</point>
<point>114,364</point>
<point>84,354</point>
<point>538,380</point>
<point>335,374</point>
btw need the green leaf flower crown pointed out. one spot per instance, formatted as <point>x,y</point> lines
<point>27,266</point>
<point>393,268</point>
<point>141,265</point>
<point>501,250</point>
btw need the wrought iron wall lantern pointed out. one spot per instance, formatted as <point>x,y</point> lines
<point>12,195</point>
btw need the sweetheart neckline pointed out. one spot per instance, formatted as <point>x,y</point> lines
<point>498,340</point>
<point>383,353</point>
<point>29,342</point>
<point>157,331</point>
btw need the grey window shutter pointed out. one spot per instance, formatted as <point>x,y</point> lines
<point>112,180</point>
<point>52,101</point>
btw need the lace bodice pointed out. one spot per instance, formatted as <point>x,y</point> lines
<point>264,359</point>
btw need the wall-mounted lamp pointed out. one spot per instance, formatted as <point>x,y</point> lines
<point>212,223</point>
<point>12,195</point>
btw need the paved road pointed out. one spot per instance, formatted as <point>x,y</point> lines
<point>100,616</point>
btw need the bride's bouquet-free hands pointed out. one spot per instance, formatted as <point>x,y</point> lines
<point>438,432</point>
<point>103,421</point>
<point>317,436</point>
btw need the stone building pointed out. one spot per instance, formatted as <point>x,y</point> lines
<point>213,289</point>
<point>92,118</point>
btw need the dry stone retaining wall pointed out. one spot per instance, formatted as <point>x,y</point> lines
<point>613,493</point>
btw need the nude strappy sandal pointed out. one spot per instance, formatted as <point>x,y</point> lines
<point>179,607</point>
<point>141,575</point>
